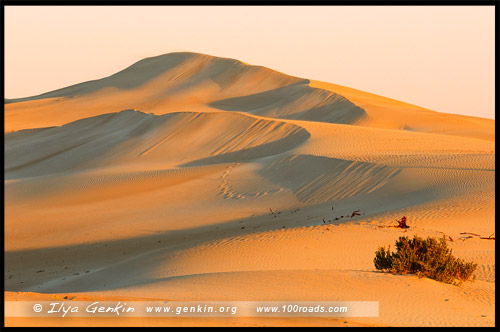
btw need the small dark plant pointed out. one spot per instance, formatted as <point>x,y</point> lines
<point>429,258</point>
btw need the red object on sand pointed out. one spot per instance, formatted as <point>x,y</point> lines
<point>402,223</point>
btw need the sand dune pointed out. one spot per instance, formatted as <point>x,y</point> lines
<point>134,137</point>
<point>180,70</point>
<point>191,177</point>
<point>197,82</point>
<point>382,112</point>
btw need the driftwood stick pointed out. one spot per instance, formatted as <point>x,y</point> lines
<point>472,233</point>
<point>489,237</point>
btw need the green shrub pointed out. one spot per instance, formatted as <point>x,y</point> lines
<point>429,258</point>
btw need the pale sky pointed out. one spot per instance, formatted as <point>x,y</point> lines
<point>441,58</point>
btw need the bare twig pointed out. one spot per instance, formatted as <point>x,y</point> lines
<point>355,213</point>
<point>489,237</point>
<point>471,233</point>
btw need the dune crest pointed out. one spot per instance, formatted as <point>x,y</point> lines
<point>186,81</point>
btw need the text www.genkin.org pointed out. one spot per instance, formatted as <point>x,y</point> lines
<point>192,309</point>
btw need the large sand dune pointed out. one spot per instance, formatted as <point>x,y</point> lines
<point>191,177</point>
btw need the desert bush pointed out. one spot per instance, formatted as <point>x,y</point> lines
<point>429,258</point>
